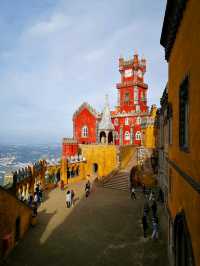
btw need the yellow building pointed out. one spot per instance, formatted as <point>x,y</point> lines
<point>181,40</point>
<point>149,131</point>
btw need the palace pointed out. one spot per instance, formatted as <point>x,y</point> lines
<point>110,134</point>
<point>127,124</point>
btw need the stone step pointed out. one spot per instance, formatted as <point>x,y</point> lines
<point>114,182</point>
<point>117,187</point>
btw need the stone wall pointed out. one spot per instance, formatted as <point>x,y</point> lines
<point>12,211</point>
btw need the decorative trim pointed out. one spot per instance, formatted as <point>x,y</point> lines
<point>189,179</point>
<point>87,106</point>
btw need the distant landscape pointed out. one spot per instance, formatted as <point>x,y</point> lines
<point>13,157</point>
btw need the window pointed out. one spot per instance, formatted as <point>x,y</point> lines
<point>84,132</point>
<point>138,120</point>
<point>116,122</point>
<point>126,121</point>
<point>135,95</point>
<point>143,96</point>
<point>127,135</point>
<point>138,135</point>
<point>183,114</point>
<point>127,98</point>
<point>137,108</point>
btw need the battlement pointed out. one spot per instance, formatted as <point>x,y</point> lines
<point>134,63</point>
<point>69,141</point>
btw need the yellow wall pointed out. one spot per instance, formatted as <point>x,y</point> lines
<point>64,165</point>
<point>149,140</point>
<point>9,211</point>
<point>126,153</point>
<point>104,155</point>
<point>184,59</point>
<point>150,133</point>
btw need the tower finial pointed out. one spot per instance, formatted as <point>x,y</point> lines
<point>135,52</point>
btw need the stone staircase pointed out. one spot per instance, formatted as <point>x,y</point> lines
<point>119,180</point>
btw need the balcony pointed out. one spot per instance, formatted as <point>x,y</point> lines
<point>131,83</point>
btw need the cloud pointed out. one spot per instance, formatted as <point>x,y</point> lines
<point>55,23</point>
<point>68,55</point>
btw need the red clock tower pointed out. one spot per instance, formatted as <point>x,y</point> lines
<point>132,90</point>
<point>132,108</point>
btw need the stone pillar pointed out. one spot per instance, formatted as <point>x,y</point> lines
<point>131,136</point>
<point>107,132</point>
<point>121,136</point>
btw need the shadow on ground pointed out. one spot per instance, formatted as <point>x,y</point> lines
<point>104,229</point>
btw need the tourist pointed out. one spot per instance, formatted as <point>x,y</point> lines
<point>72,197</point>
<point>87,189</point>
<point>68,199</point>
<point>154,235</point>
<point>144,188</point>
<point>144,224</point>
<point>34,208</point>
<point>35,199</point>
<point>146,207</point>
<point>62,185</point>
<point>30,200</point>
<point>160,196</point>
<point>40,195</point>
<point>133,193</point>
<point>154,208</point>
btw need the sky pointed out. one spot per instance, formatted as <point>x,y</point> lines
<point>55,55</point>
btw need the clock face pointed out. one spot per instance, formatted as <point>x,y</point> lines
<point>128,73</point>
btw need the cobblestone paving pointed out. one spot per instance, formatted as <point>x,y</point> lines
<point>104,229</point>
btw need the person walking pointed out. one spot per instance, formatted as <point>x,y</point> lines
<point>146,207</point>
<point>87,189</point>
<point>68,199</point>
<point>133,193</point>
<point>144,189</point>
<point>154,208</point>
<point>154,235</point>
<point>144,224</point>
<point>151,195</point>
<point>35,199</point>
<point>72,197</point>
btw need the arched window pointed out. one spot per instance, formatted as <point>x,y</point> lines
<point>138,135</point>
<point>127,135</point>
<point>126,121</point>
<point>116,121</point>
<point>84,132</point>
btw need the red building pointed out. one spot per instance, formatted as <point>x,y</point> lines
<point>85,124</point>
<point>122,126</point>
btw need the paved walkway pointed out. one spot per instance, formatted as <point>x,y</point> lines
<point>104,229</point>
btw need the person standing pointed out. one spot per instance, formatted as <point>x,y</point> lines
<point>154,235</point>
<point>144,189</point>
<point>72,197</point>
<point>87,189</point>
<point>68,199</point>
<point>154,209</point>
<point>144,224</point>
<point>133,193</point>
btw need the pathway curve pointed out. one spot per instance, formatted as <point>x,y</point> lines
<point>104,229</point>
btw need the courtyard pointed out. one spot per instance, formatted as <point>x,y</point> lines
<point>103,229</point>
